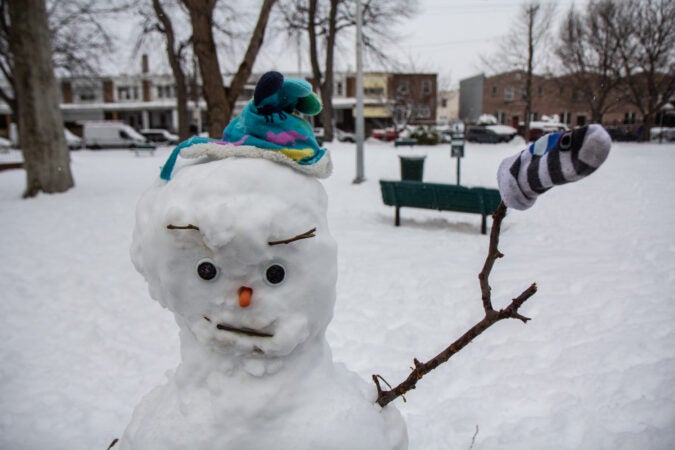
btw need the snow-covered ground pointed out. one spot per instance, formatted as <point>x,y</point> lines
<point>81,341</point>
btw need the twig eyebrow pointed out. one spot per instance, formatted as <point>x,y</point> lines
<point>305,235</point>
<point>182,227</point>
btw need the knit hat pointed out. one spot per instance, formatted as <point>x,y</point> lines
<point>268,127</point>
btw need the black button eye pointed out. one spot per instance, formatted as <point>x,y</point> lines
<point>275,274</point>
<point>566,141</point>
<point>207,270</point>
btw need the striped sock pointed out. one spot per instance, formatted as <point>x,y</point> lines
<point>552,160</point>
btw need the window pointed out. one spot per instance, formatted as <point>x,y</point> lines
<point>127,93</point>
<point>423,112</point>
<point>629,118</point>
<point>426,87</point>
<point>523,93</point>
<point>495,91</point>
<point>87,94</point>
<point>165,91</point>
<point>339,88</point>
<point>123,93</point>
<point>540,91</point>
<point>508,93</point>
<point>403,87</point>
<point>444,103</point>
<point>373,91</point>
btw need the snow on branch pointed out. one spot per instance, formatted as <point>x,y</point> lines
<point>491,317</point>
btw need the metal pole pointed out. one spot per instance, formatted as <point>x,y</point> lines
<point>359,97</point>
<point>458,171</point>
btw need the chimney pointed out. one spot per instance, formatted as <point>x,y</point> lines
<point>144,63</point>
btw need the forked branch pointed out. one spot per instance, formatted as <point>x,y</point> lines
<point>491,317</point>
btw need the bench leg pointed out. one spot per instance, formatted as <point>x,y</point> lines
<point>397,220</point>
<point>483,224</point>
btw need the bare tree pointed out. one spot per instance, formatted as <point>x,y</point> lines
<point>220,101</point>
<point>79,39</point>
<point>589,59</point>
<point>520,50</point>
<point>324,22</point>
<point>177,50</point>
<point>646,36</point>
<point>46,156</point>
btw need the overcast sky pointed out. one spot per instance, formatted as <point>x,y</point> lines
<point>446,37</point>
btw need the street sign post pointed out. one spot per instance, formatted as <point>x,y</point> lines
<point>457,151</point>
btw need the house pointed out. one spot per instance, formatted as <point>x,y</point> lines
<point>148,100</point>
<point>504,96</point>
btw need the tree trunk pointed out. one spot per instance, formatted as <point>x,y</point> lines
<point>219,101</point>
<point>324,80</point>
<point>327,85</point>
<point>45,153</point>
<point>201,17</point>
<point>531,14</point>
<point>245,68</point>
<point>174,55</point>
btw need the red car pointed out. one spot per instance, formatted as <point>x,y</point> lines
<point>387,134</point>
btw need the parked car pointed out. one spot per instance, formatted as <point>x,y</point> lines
<point>319,135</point>
<point>662,134</point>
<point>5,144</point>
<point>507,132</point>
<point>484,134</point>
<point>112,134</point>
<point>74,142</point>
<point>621,134</point>
<point>538,129</point>
<point>344,136</point>
<point>384,134</point>
<point>160,135</point>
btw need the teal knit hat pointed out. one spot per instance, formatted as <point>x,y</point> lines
<point>268,127</point>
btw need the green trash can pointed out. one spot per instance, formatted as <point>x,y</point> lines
<point>412,167</point>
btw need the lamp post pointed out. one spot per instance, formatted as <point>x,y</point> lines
<point>359,97</point>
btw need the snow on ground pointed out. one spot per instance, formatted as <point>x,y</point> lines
<point>595,369</point>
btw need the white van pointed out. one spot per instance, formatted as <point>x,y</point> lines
<point>111,134</point>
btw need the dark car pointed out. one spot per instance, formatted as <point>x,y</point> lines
<point>482,134</point>
<point>619,134</point>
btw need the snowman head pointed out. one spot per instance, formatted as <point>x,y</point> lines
<point>228,247</point>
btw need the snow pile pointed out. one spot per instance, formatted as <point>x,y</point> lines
<point>82,342</point>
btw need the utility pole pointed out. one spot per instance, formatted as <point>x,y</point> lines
<point>359,96</point>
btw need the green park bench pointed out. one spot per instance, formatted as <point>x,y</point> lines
<point>442,197</point>
<point>405,142</point>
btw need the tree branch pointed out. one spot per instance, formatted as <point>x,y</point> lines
<point>491,317</point>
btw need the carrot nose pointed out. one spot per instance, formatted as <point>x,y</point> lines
<point>245,294</point>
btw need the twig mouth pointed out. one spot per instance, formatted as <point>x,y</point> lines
<point>241,330</point>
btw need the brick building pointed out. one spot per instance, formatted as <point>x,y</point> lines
<point>503,96</point>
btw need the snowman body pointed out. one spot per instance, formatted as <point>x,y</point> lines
<point>239,250</point>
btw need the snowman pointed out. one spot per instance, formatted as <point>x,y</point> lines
<point>233,239</point>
